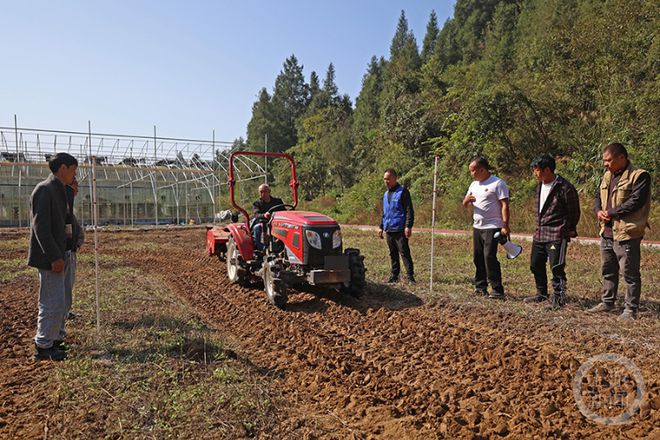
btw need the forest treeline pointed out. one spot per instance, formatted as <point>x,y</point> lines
<point>501,78</point>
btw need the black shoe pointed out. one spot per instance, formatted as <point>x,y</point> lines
<point>72,315</point>
<point>52,353</point>
<point>496,295</point>
<point>554,305</point>
<point>393,280</point>
<point>411,279</point>
<point>480,292</point>
<point>60,345</point>
<point>536,299</point>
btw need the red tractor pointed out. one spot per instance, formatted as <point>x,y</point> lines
<point>301,247</point>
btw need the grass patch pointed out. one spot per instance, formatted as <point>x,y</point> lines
<point>13,268</point>
<point>454,271</point>
<point>155,370</point>
<point>14,244</point>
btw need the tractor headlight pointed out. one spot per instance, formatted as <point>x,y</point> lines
<point>314,239</point>
<point>336,239</point>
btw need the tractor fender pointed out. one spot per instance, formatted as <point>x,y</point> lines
<point>243,240</point>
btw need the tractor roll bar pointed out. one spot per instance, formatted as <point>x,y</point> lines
<point>293,183</point>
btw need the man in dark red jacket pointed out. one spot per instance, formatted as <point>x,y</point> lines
<point>557,215</point>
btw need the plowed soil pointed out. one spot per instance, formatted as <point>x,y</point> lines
<point>382,366</point>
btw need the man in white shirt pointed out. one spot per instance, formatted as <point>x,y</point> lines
<point>489,197</point>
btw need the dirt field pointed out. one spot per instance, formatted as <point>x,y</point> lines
<point>396,363</point>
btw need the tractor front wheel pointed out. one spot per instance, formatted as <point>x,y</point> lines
<point>274,287</point>
<point>358,279</point>
<point>233,267</point>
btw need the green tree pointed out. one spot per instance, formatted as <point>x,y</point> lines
<point>366,118</point>
<point>263,122</point>
<point>432,32</point>
<point>314,87</point>
<point>290,100</point>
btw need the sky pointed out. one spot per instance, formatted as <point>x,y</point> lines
<point>187,67</point>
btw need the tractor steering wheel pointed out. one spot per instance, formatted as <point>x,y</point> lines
<point>285,205</point>
<point>254,221</point>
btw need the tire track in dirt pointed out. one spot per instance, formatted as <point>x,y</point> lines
<point>391,373</point>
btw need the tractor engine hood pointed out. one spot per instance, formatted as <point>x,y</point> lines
<point>302,218</point>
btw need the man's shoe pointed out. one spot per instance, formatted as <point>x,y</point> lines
<point>52,353</point>
<point>60,345</point>
<point>496,295</point>
<point>411,279</point>
<point>555,305</point>
<point>536,299</point>
<point>628,315</point>
<point>602,307</point>
<point>480,292</point>
<point>393,280</point>
<point>72,315</point>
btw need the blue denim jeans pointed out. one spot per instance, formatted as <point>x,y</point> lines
<point>257,236</point>
<point>52,305</point>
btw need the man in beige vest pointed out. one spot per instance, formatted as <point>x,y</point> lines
<point>622,206</point>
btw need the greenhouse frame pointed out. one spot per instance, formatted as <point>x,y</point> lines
<point>139,179</point>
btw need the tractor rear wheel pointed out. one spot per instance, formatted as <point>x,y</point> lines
<point>233,268</point>
<point>275,289</point>
<point>358,279</point>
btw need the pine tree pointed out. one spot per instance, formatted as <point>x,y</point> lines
<point>290,100</point>
<point>262,123</point>
<point>329,86</point>
<point>400,36</point>
<point>314,85</point>
<point>430,38</point>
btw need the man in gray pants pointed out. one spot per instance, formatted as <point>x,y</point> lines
<point>48,254</point>
<point>623,203</point>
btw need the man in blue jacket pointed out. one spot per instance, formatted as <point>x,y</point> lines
<point>49,254</point>
<point>396,224</point>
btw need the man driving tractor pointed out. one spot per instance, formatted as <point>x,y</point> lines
<point>261,212</point>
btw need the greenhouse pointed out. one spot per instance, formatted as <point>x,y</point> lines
<point>139,179</point>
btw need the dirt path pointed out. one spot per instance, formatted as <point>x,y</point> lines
<point>387,365</point>
<point>395,368</point>
<point>24,404</point>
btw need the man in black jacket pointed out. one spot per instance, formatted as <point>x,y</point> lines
<point>557,215</point>
<point>48,253</point>
<point>261,214</point>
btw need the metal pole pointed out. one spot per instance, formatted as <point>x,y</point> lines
<point>178,202</point>
<point>155,177</point>
<point>95,223</point>
<point>215,156</point>
<point>16,135</point>
<point>20,200</point>
<point>132,212</point>
<point>266,158</point>
<point>435,178</point>
<point>124,214</point>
